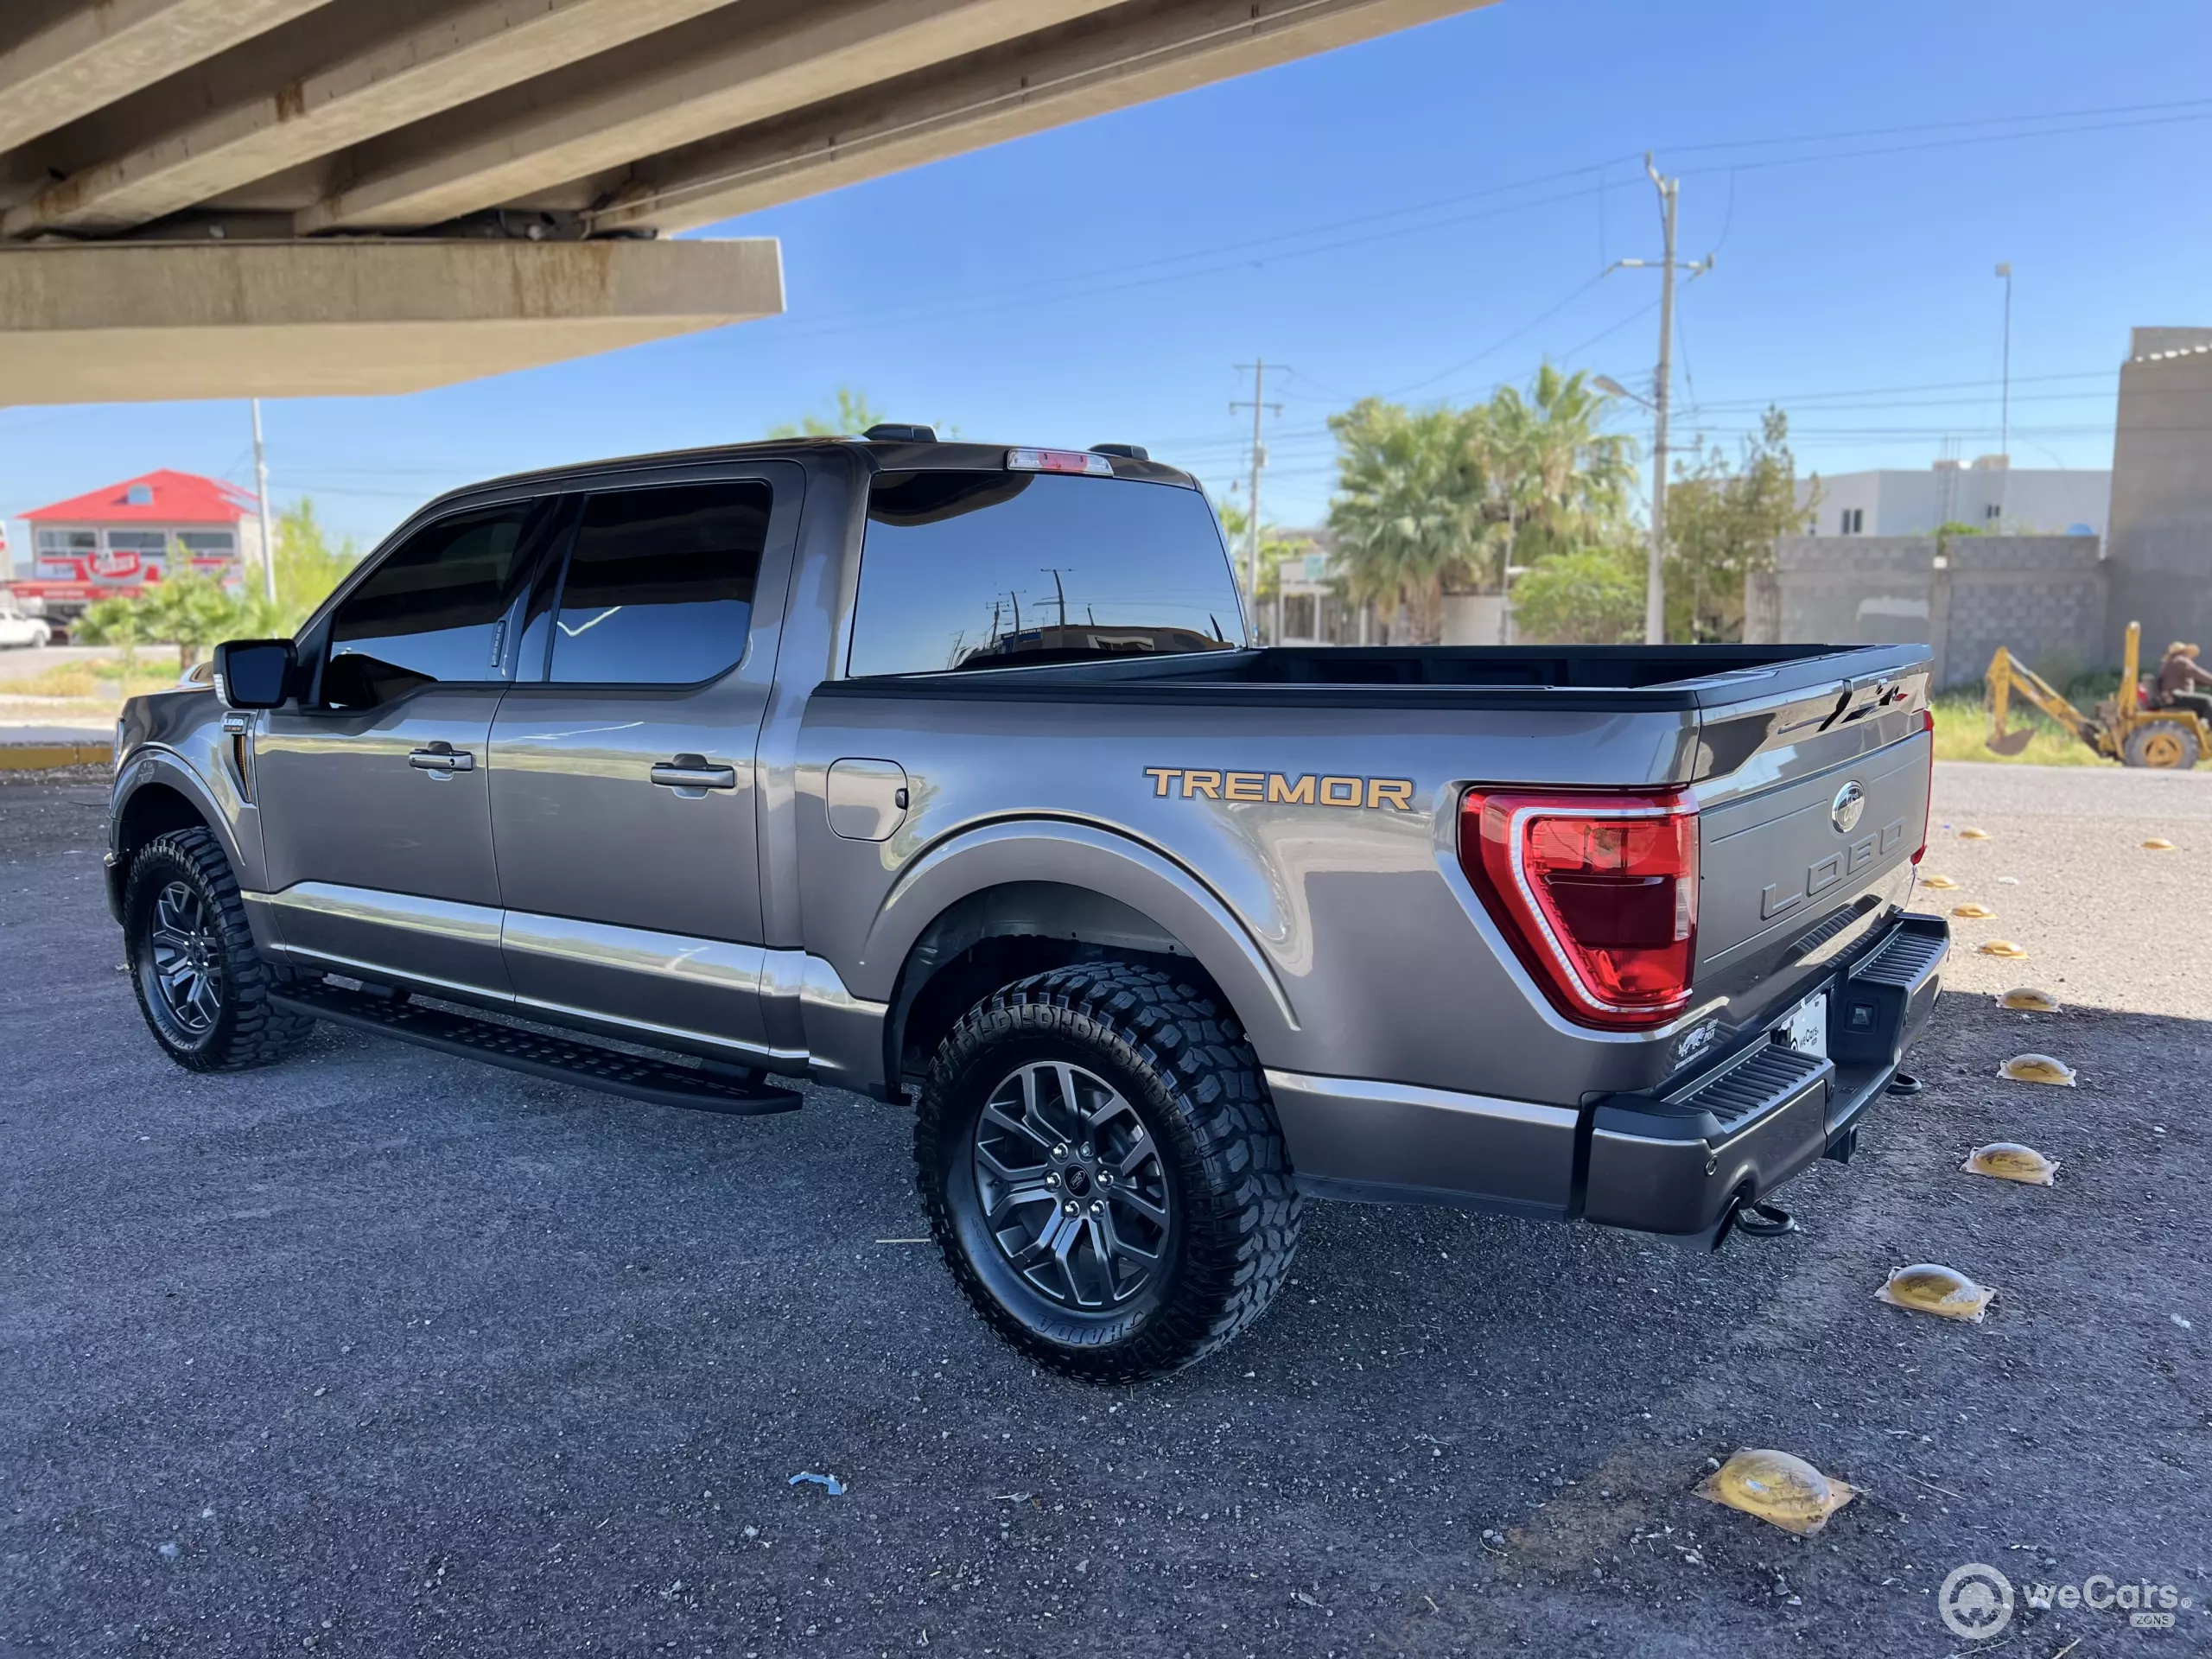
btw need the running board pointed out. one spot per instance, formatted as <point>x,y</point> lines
<point>538,1054</point>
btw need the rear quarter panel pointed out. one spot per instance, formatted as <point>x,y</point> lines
<point>1347,938</point>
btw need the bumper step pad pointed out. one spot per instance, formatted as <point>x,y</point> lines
<point>540,1054</point>
<point>1770,1077</point>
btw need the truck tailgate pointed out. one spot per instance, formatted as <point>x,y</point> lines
<point>1793,872</point>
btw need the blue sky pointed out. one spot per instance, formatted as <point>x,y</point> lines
<point>1422,216</point>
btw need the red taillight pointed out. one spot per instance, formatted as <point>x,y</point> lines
<point>1928,801</point>
<point>1598,894</point>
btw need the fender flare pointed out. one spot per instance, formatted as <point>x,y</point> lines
<point>155,764</point>
<point>1083,856</point>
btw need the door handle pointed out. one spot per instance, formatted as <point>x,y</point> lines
<point>441,760</point>
<point>692,772</point>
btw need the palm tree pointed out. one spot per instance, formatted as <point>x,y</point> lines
<point>1561,484</point>
<point>1408,512</point>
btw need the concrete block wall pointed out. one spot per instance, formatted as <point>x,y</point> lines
<point>2044,596</point>
<point>1854,590</point>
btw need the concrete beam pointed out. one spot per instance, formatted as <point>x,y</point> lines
<point>128,321</point>
<point>746,65</point>
<point>95,51</point>
<point>1122,58</point>
<point>414,73</point>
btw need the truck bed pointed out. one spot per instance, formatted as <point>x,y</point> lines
<point>1626,678</point>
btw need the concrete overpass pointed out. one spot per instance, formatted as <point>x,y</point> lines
<point>220,198</point>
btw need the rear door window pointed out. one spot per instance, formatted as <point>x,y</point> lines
<point>436,609</point>
<point>659,584</point>
<point>965,571</point>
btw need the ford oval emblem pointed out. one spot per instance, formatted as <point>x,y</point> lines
<point>1845,809</point>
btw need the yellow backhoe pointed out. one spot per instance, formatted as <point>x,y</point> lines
<point>2125,727</point>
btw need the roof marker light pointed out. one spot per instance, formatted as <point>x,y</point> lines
<point>1059,461</point>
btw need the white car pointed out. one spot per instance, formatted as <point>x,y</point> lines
<point>17,627</point>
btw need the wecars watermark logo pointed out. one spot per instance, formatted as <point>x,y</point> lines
<point>1977,1601</point>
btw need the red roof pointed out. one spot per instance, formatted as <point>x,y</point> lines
<point>173,498</point>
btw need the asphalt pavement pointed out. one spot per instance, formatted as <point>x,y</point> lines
<point>381,1353</point>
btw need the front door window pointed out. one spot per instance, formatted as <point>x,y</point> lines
<point>437,611</point>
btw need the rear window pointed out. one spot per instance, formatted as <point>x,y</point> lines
<point>976,569</point>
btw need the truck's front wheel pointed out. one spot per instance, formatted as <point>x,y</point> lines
<point>1103,1172</point>
<point>202,986</point>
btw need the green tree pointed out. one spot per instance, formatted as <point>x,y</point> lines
<point>1236,531</point>
<point>1443,500</point>
<point>112,622</point>
<point>1590,597</point>
<point>192,613</point>
<point>1723,519</point>
<point>308,567</point>
<point>1558,484</point>
<point>855,415</point>
<point>1408,512</point>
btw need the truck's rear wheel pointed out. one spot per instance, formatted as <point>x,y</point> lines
<point>1103,1173</point>
<point>2162,745</point>
<point>202,986</point>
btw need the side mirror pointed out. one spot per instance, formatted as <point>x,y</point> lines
<point>255,673</point>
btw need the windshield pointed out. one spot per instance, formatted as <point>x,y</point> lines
<point>987,570</point>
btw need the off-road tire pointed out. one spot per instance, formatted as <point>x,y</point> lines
<point>245,1030</point>
<point>2164,745</point>
<point>1181,1062</point>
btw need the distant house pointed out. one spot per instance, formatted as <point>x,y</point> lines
<point>143,530</point>
<point>1309,608</point>
<point>1988,494</point>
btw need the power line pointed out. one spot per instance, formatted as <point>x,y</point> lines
<point>2081,121</point>
<point>2202,105</point>
<point>1943,143</point>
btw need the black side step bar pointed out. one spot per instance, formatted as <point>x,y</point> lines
<point>518,1048</point>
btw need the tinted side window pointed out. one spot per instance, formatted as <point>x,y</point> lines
<point>435,609</point>
<point>987,570</point>
<point>660,585</point>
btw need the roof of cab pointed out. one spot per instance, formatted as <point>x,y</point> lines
<point>884,456</point>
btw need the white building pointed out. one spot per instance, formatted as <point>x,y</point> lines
<point>1988,494</point>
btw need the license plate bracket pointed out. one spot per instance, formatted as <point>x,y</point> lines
<point>1805,1028</point>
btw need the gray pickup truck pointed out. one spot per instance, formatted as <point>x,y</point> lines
<point>949,772</point>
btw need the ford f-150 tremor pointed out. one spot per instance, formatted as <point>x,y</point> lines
<point>951,769</point>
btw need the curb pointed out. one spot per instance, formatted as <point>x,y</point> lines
<point>50,757</point>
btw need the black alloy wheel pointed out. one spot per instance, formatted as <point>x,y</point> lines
<point>182,963</point>
<point>1070,1186</point>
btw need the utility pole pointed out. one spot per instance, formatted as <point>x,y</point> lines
<point>1059,589</point>
<point>2004,418</point>
<point>261,494</point>
<point>1258,406</point>
<point>1655,579</point>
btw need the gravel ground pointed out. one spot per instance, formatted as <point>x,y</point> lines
<point>377,1353</point>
